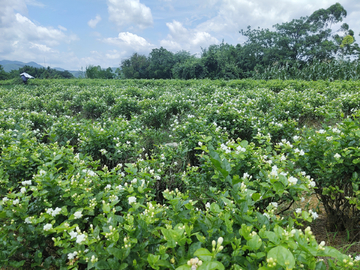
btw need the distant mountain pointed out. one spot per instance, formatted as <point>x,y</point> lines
<point>15,65</point>
<point>11,65</point>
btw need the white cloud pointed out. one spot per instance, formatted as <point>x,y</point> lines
<point>129,12</point>
<point>62,28</point>
<point>234,15</point>
<point>23,40</point>
<point>34,3</point>
<point>181,38</point>
<point>93,22</point>
<point>40,47</point>
<point>131,41</point>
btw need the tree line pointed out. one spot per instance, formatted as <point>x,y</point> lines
<point>297,44</point>
<point>291,48</point>
<point>40,73</point>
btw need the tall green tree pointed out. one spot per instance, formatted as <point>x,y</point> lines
<point>3,74</point>
<point>303,39</point>
<point>161,61</point>
<point>96,72</point>
<point>136,67</point>
<point>346,42</point>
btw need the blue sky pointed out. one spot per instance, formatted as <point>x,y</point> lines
<point>78,33</point>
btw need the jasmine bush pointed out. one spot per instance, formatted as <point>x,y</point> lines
<point>187,179</point>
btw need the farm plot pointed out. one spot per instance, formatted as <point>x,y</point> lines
<point>177,174</point>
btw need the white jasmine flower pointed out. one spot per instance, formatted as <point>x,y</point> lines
<point>132,200</point>
<point>26,183</point>
<point>275,204</point>
<point>134,181</point>
<point>23,190</point>
<point>15,202</point>
<point>301,153</point>
<point>72,255</point>
<point>321,131</point>
<point>207,205</point>
<point>337,156</point>
<point>47,227</point>
<point>5,199</point>
<point>80,238</point>
<point>28,220</point>
<point>336,130</point>
<point>274,171</point>
<point>241,149</point>
<point>108,186</point>
<point>89,172</point>
<point>77,214</point>
<point>56,211</point>
<point>73,234</point>
<point>313,214</point>
<point>292,180</point>
<point>298,210</point>
<point>120,188</point>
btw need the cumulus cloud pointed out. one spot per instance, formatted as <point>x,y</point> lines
<point>234,15</point>
<point>62,28</point>
<point>129,12</point>
<point>21,38</point>
<point>131,41</point>
<point>40,47</point>
<point>93,22</point>
<point>181,38</point>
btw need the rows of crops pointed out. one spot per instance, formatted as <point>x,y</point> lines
<point>177,174</point>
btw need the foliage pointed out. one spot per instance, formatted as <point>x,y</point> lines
<point>332,158</point>
<point>95,72</point>
<point>198,174</point>
<point>316,70</point>
<point>41,73</point>
<point>301,39</point>
<point>3,74</point>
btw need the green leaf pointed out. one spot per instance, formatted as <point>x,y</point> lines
<point>195,246</point>
<point>204,254</point>
<point>152,260</point>
<point>200,237</point>
<point>183,267</point>
<point>254,243</point>
<point>123,266</point>
<point>113,263</point>
<point>279,188</point>
<point>211,266</point>
<point>272,237</point>
<point>116,252</point>
<point>215,208</point>
<point>101,265</point>
<point>106,208</point>
<point>320,266</point>
<point>283,256</point>
<point>256,197</point>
